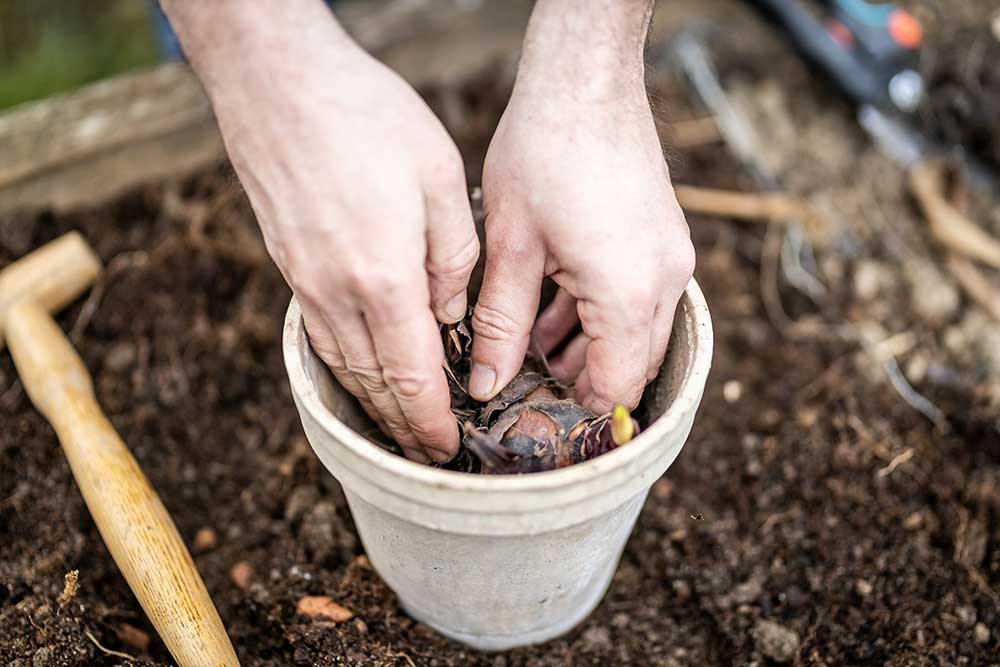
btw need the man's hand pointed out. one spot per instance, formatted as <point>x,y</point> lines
<point>575,187</point>
<point>360,195</point>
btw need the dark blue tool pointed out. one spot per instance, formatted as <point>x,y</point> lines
<point>868,49</point>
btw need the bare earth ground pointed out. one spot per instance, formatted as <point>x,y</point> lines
<point>814,517</point>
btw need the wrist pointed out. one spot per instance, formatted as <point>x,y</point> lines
<point>590,48</point>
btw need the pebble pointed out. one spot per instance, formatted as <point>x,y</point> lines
<point>321,606</point>
<point>120,357</point>
<point>967,615</point>
<point>133,636</point>
<point>205,539</point>
<point>300,500</point>
<point>241,573</point>
<point>871,278</point>
<point>775,641</point>
<point>981,633</point>
<point>916,368</point>
<point>732,391</point>
<point>863,588</point>
<point>934,296</point>
<point>596,637</point>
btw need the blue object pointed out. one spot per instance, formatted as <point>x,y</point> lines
<point>170,46</point>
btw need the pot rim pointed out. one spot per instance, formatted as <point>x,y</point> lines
<point>687,399</point>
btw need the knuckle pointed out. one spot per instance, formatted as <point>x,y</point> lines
<point>369,376</point>
<point>492,324</point>
<point>683,260</point>
<point>383,290</point>
<point>325,346</point>
<point>628,394</point>
<point>639,299</point>
<point>458,264</point>
<point>407,385</point>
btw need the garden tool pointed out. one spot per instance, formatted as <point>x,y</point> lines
<point>131,518</point>
<point>869,49</point>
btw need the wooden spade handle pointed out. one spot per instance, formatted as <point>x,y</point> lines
<point>129,515</point>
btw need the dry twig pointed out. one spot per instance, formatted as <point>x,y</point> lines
<point>947,224</point>
<point>693,132</point>
<point>107,651</point>
<point>775,207</point>
<point>975,284</point>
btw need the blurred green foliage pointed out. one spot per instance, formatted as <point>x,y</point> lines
<point>51,45</point>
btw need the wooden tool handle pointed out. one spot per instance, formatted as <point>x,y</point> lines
<point>133,522</point>
<point>51,276</point>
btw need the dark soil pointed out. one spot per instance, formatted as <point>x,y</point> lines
<point>813,516</point>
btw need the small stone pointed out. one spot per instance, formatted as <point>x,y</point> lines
<point>241,573</point>
<point>967,615</point>
<point>872,278</point>
<point>980,633</point>
<point>914,521</point>
<point>133,636</point>
<point>300,500</point>
<point>205,539</point>
<point>934,296</point>
<point>360,626</point>
<point>120,357</point>
<point>321,606</point>
<point>596,638</point>
<point>681,589</point>
<point>916,368</point>
<point>732,391</point>
<point>775,641</point>
<point>863,588</point>
<point>662,488</point>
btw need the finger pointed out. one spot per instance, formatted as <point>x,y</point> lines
<point>663,320</point>
<point>504,314</point>
<point>452,247</point>
<point>408,347</point>
<point>324,343</point>
<point>556,322</point>
<point>363,366</point>
<point>568,365</point>
<point>618,355</point>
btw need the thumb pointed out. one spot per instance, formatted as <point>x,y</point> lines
<point>505,311</point>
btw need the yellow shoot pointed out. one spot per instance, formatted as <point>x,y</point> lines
<point>622,429</point>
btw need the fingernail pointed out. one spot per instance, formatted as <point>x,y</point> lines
<point>439,455</point>
<point>481,382</point>
<point>456,308</point>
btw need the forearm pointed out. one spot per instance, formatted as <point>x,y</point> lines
<point>598,43</point>
<point>241,50</point>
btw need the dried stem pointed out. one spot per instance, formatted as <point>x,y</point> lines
<point>772,207</point>
<point>947,224</point>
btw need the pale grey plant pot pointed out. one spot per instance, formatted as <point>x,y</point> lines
<point>497,562</point>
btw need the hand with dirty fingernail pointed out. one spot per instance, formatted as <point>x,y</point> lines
<point>360,194</point>
<point>575,187</point>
